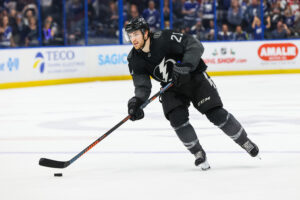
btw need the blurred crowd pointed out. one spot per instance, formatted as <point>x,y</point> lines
<point>226,20</point>
<point>247,19</point>
<point>19,23</point>
<point>235,19</point>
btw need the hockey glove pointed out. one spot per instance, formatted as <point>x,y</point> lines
<point>181,74</point>
<point>134,109</point>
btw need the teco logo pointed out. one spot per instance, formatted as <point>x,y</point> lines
<point>278,51</point>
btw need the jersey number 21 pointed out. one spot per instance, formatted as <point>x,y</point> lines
<point>177,37</point>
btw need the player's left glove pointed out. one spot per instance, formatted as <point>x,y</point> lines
<point>134,109</point>
<point>181,74</point>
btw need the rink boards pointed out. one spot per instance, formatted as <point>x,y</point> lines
<point>25,67</point>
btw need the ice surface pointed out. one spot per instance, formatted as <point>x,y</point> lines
<point>145,160</point>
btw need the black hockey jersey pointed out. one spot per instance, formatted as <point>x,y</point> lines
<point>166,48</point>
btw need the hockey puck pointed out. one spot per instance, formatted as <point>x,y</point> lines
<point>58,174</point>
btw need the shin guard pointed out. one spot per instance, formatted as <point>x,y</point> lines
<point>228,124</point>
<point>187,135</point>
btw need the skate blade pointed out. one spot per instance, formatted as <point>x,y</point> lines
<point>258,156</point>
<point>205,166</point>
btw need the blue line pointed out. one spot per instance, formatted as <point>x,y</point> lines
<point>151,152</point>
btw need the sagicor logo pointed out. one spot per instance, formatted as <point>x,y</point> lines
<point>161,71</point>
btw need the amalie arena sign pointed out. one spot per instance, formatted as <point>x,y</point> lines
<point>278,51</point>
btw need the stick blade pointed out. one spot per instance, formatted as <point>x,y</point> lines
<point>53,163</point>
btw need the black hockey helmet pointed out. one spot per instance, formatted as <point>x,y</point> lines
<point>137,23</point>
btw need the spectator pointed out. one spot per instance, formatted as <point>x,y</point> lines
<point>267,27</point>
<point>266,7</point>
<point>166,10</point>
<point>3,12</point>
<point>289,17</point>
<point>102,10</point>
<point>75,19</point>
<point>141,4</point>
<point>244,5</point>
<point>177,14</point>
<point>22,5</point>
<point>275,17</point>
<point>253,10</point>
<point>257,29</point>
<point>19,31</point>
<point>167,25</point>
<point>151,15</point>
<point>113,18</point>
<point>207,10</point>
<point>281,32</point>
<point>10,4</point>
<point>222,6</point>
<point>49,31</point>
<point>190,11</point>
<point>234,15</point>
<point>282,4</point>
<point>297,27</point>
<point>225,34</point>
<point>29,11</point>
<point>47,6</point>
<point>295,6</point>
<point>198,31</point>
<point>239,34</point>
<point>6,39</point>
<point>177,8</point>
<point>210,32</point>
<point>52,8</point>
<point>133,12</point>
<point>91,12</point>
<point>32,36</point>
<point>12,17</point>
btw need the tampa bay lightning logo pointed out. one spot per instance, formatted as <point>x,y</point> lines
<point>162,71</point>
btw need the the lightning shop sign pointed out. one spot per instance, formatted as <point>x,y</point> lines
<point>278,51</point>
<point>252,55</point>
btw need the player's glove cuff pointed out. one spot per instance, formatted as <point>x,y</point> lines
<point>182,69</point>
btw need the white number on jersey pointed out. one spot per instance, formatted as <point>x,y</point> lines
<point>177,37</point>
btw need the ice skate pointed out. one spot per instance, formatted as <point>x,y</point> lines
<point>201,160</point>
<point>251,148</point>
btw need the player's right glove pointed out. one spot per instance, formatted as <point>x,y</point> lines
<point>134,109</point>
<point>181,74</point>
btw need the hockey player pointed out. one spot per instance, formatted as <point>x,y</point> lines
<point>168,56</point>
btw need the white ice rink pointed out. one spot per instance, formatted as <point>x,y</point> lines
<point>144,160</point>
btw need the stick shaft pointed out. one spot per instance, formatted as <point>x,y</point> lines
<point>60,164</point>
<point>119,124</point>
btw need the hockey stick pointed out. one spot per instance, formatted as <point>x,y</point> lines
<point>63,164</point>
